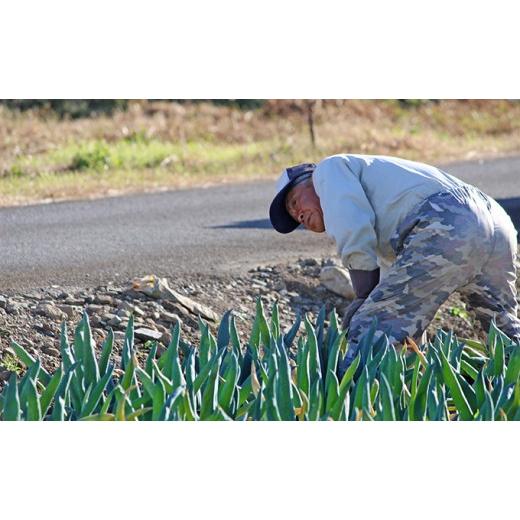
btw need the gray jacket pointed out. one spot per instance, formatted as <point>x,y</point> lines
<point>364,198</point>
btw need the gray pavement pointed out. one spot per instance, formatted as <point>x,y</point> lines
<point>194,231</point>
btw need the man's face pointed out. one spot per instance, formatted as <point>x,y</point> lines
<point>303,205</point>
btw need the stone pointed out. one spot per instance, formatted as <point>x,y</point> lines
<point>69,310</point>
<point>161,328</point>
<point>51,351</point>
<point>337,280</point>
<point>279,286</point>
<point>166,338</point>
<point>50,311</point>
<point>139,312</point>
<point>74,301</point>
<point>118,335</point>
<point>150,323</point>
<point>115,321</point>
<point>103,299</point>
<point>95,320</point>
<point>169,317</point>
<point>123,313</point>
<point>45,329</point>
<point>94,308</point>
<point>130,308</point>
<point>3,302</point>
<point>134,295</point>
<point>145,334</point>
<point>309,262</point>
<point>13,308</point>
<point>5,375</point>
<point>158,288</point>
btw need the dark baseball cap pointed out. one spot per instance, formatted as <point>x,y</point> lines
<point>281,220</point>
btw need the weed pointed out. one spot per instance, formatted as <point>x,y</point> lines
<point>95,156</point>
<point>11,363</point>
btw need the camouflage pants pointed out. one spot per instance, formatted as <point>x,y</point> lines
<point>458,240</point>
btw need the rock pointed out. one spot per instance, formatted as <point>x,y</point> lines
<point>134,295</point>
<point>95,320</point>
<point>130,308</point>
<point>45,329</point>
<point>5,375</point>
<point>13,308</point>
<point>169,317</point>
<point>145,334</point>
<point>337,280</point>
<point>115,321</point>
<point>161,328</point>
<point>103,299</point>
<point>123,324</point>
<point>3,302</point>
<point>94,308</point>
<point>279,286</point>
<point>123,313</point>
<point>32,296</point>
<point>50,311</point>
<point>70,300</point>
<point>138,312</point>
<point>99,332</point>
<point>118,335</point>
<point>51,351</point>
<point>69,310</point>
<point>150,323</point>
<point>159,288</point>
<point>166,338</point>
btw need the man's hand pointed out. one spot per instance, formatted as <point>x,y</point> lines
<point>351,310</point>
<point>363,283</point>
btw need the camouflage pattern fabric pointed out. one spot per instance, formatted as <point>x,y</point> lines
<point>457,240</point>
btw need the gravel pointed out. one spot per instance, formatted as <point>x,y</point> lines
<point>34,320</point>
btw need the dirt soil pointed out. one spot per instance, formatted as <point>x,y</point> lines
<point>33,319</point>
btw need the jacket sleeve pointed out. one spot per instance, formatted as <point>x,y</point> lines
<point>348,216</point>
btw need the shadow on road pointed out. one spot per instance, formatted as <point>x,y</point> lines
<point>512,206</point>
<point>261,223</point>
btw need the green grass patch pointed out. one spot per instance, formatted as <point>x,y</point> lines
<point>100,156</point>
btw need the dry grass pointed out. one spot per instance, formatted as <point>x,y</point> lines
<point>158,145</point>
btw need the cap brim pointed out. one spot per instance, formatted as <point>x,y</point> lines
<point>280,218</point>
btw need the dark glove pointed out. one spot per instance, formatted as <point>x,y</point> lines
<point>364,281</point>
<point>351,310</point>
<point>344,363</point>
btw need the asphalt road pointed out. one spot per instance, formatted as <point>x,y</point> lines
<point>195,231</point>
